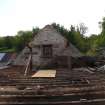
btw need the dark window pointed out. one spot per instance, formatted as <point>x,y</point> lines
<point>47,51</point>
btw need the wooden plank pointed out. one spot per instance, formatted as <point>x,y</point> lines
<point>45,73</point>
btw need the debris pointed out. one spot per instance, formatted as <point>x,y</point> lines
<point>102,68</point>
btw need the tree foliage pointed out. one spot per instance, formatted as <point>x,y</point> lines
<point>19,41</point>
<point>74,35</point>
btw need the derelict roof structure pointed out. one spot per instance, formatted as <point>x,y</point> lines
<point>49,33</point>
<point>49,30</point>
<point>86,87</point>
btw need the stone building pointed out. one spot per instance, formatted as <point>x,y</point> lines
<point>47,45</point>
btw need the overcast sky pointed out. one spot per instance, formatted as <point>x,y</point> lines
<point>18,15</point>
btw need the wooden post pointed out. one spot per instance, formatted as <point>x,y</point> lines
<point>69,66</point>
<point>27,66</point>
<point>29,63</point>
<point>31,59</point>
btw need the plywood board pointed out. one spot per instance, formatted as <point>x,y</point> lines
<point>45,73</point>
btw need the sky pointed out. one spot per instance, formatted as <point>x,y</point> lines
<point>16,15</point>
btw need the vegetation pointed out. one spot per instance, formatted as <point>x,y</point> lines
<point>75,35</point>
<point>17,42</point>
<point>87,45</point>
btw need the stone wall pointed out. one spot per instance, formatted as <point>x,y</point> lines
<point>47,36</point>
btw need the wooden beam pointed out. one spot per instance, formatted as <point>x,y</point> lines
<point>69,62</point>
<point>69,67</point>
<point>27,66</point>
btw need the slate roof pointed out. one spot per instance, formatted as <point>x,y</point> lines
<point>1,56</point>
<point>5,57</point>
